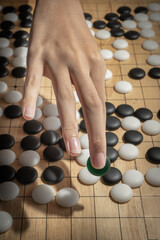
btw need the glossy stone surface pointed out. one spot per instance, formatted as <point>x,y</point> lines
<point>8,191</point>
<point>128,151</point>
<point>133,178</point>
<point>53,175</point>
<point>13,111</point>
<point>53,153</point>
<point>133,136</point>
<point>7,157</point>
<point>143,114</point>
<point>6,221</point>
<point>153,176</point>
<point>124,110</point>
<point>6,141</point>
<point>112,177</point>
<point>121,193</point>
<point>112,123</point>
<point>86,177</point>
<point>29,158</point>
<point>43,194</point>
<point>7,173</point>
<point>32,127</point>
<point>151,127</point>
<point>153,155</point>
<point>30,143</point>
<point>50,137</point>
<point>26,175</point>
<point>130,123</point>
<point>67,197</point>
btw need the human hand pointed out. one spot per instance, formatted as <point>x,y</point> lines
<point>63,49</point>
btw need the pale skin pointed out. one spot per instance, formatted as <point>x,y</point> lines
<point>63,49</point>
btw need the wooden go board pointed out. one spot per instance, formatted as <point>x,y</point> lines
<point>95,216</point>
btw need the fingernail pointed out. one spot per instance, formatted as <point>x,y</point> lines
<point>29,112</point>
<point>99,161</point>
<point>74,145</point>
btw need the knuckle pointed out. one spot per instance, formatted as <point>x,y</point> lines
<point>92,102</point>
<point>64,94</point>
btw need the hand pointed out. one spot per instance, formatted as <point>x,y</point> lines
<point>63,49</point>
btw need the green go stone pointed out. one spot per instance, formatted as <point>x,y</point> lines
<point>98,172</point>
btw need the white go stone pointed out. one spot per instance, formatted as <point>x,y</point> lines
<point>144,25</point>
<point>154,17</point>
<point>123,87</point>
<point>38,114</point>
<point>130,123</point>
<point>84,141</point>
<point>39,101</point>
<point>7,157</point>
<point>43,194</point>
<point>121,55</point>
<point>21,51</point>
<point>86,177</point>
<point>153,176</point>
<point>92,32</point>
<point>77,115</point>
<point>76,96</point>
<point>6,221</point>
<point>67,197</point>
<point>6,52</point>
<point>4,42</point>
<point>52,123</point>
<point>13,17</point>
<point>13,96</point>
<point>151,127</point>
<point>147,33</point>
<point>8,191</point>
<point>1,112</point>
<point>29,158</point>
<point>106,54</point>
<point>129,24</point>
<point>108,74</point>
<point>154,7</point>
<point>89,23</point>
<point>83,157</point>
<point>150,45</point>
<point>120,44</point>
<point>128,151</point>
<point>50,110</point>
<point>102,34</point>
<point>154,60</point>
<point>3,87</point>
<point>133,178</point>
<point>19,62</point>
<point>141,17</point>
<point>121,193</point>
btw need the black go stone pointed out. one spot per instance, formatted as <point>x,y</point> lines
<point>114,24</point>
<point>154,73</point>
<point>117,32</point>
<point>81,112</point>
<point>30,143</point>
<point>126,16</point>
<point>7,25</point>
<point>141,10</point>
<point>62,144</point>
<point>21,34</point>
<point>112,177</point>
<point>111,138</point>
<point>32,126</point>
<point>6,141</point>
<point>8,9</point>
<point>88,16</point>
<point>53,174</point>
<point>124,110</point>
<point>82,126</point>
<point>50,137</point>
<point>25,8</point>
<point>158,114</point>
<point>20,42</point>
<point>53,153</point>
<point>137,73</point>
<point>99,24</point>
<point>112,123</point>
<point>143,114</point>
<point>3,61</point>
<point>25,16</point>
<point>111,16</point>
<point>19,72</point>
<point>123,9</point>
<point>131,35</point>
<point>7,173</point>
<point>153,155</point>
<point>110,108</point>
<point>133,136</point>
<point>13,111</point>
<point>3,72</point>
<point>6,34</point>
<point>26,23</point>
<point>26,175</point>
<point>112,154</point>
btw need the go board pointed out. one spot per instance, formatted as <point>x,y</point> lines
<point>96,216</point>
